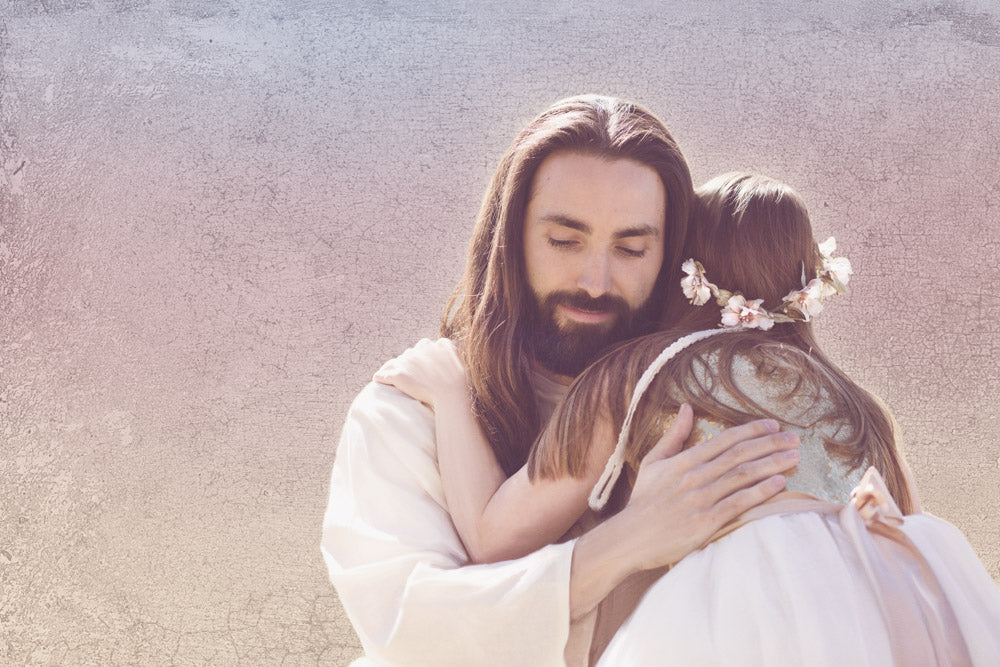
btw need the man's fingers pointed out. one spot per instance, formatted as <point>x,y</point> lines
<point>730,438</point>
<point>749,473</point>
<point>673,438</point>
<point>737,503</point>
<point>750,450</point>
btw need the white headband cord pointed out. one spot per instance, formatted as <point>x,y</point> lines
<point>601,492</point>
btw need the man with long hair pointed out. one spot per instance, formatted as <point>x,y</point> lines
<point>580,229</point>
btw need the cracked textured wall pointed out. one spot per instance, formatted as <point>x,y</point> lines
<point>217,219</point>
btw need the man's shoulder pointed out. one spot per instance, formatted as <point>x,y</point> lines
<point>424,347</point>
<point>377,391</point>
<point>387,405</point>
<point>381,409</point>
<point>390,435</point>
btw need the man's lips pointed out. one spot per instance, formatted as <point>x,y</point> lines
<point>588,316</point>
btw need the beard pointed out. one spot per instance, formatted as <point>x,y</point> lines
<point>568,348</point>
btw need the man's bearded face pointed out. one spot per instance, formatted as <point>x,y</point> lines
<point>565,346</point>
<point>593,249</point>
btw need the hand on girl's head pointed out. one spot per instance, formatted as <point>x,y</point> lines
<point>686,497</point>
<point>673,439</point>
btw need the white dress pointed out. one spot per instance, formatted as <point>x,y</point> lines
<point>819,576</point>
<point>817,584</point>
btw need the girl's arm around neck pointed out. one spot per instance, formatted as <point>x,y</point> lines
<point>497,518</point>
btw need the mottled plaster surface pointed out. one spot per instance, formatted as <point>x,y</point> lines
<point>217,219</point>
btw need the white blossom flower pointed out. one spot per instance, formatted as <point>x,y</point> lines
<point>808,299</point>
<point>798,305</point>
<point>827,247</point>
<point>837,270</point>
<point>746,314</point>
<point>840,269</point>
<point>696,287</point>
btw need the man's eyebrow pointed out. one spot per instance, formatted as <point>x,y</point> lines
<point>628,232</point>
<point>638,230</point>
<point>566,221</point>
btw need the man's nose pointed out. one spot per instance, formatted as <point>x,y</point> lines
<point>595,278</point>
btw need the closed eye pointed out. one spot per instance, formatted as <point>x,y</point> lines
<point>561,243</point>
<point>629,252</point>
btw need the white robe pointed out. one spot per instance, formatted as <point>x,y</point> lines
<point>399,565</point>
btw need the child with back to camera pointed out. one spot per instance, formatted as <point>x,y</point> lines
<point>829,572</point>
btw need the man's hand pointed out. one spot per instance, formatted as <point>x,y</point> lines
<point>679,501</point>
<point>682,499</point>
<point>430,371</point>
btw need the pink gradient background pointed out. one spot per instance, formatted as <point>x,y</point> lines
<point>215,224</point>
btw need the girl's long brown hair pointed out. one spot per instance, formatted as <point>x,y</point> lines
<point>753,235</point>
<point>486,314</point>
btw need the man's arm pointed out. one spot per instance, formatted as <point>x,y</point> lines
<point>397,562</point>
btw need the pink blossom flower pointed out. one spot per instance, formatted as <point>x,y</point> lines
<point>696,287</point>
<point>808,299</point>
<point>746,314</point>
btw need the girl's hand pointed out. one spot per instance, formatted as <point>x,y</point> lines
<point>430,371</point>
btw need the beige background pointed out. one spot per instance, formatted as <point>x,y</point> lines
<point>218,218</point>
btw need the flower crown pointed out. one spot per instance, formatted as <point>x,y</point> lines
<point>798,306</point>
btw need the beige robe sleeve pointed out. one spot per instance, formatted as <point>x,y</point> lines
<point>398,564</point>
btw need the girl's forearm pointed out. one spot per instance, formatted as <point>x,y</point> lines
<point>470,472</point>
<point>498,518</point>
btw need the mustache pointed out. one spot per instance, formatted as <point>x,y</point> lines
<point>583,301</point>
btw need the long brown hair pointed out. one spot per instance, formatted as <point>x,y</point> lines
<point>486,313</point>
<point>753,235</point>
